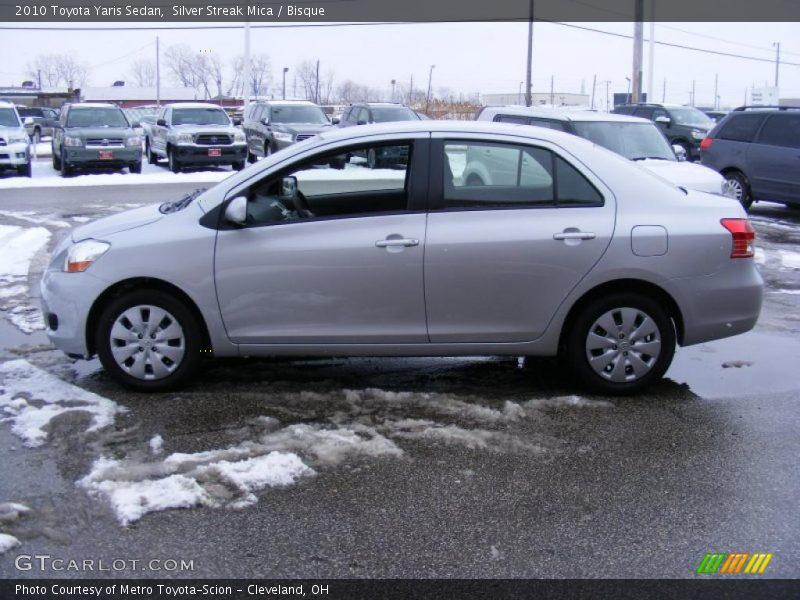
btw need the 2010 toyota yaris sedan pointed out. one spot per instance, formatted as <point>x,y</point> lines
<point>571,250</point>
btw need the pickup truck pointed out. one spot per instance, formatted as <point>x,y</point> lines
<point>194,134</point>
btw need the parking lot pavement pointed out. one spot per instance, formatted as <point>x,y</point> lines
<point>473,467</point>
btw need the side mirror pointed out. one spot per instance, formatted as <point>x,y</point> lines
<point>335,121</point>
<point>237,122</point>
<point>664,120</point>
<point>161,123</point>
<point>236,211</point>
<point>680,152</point>
<point>288,187</point>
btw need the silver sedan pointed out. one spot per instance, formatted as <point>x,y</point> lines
<point>564,249</point>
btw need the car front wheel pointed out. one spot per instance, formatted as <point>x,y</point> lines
<point>174,165</point>
<point>149,341</point>
<point>620,344</point>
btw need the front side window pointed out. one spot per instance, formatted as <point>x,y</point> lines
<point>334,185</point>
<point>493,175</point>
<point>96,117</point>
<point>511,119</point>
<point>690,116</point>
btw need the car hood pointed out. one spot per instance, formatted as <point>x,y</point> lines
<point>686,174</point>
<point>130,219</point>
<point>99,132</point>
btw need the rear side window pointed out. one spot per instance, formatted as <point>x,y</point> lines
<point>624,110</point>
<point>485,175</point>
<point>549,123</point>
<point>511,119</point>
<point>741,128</point>
<point>781,130</point>
<point>645,113</point>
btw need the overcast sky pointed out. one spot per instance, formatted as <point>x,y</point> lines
<point>488,57</point>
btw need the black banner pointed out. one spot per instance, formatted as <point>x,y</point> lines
<point>277,11</point>
<point>439,589</point>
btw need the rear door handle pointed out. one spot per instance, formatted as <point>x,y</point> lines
<point>397,242</point>
<point>574,235</point>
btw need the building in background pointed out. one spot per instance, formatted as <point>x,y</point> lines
<point>44,98</point>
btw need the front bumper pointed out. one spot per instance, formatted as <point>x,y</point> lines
<point>198,155</point>
<point>90,157</point>
<point>14,155</point>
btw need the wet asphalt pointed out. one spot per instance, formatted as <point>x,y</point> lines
<point>706,461</point>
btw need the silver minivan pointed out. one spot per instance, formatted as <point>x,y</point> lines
<point>578,253</point>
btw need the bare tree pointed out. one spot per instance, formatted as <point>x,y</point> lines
<point>143,73</point>
<point>181,64</point>
<point>260,76</point>
<point>306,72</point>
<point>326,88</point>
<point>58,69</point>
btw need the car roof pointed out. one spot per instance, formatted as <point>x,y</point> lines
<point>93,105</point>
<point>192,105</point>
<point>562,114</point>
<point>284,102</point>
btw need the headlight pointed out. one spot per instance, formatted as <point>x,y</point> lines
<point>239,137</point>
<point>72,141</point>
<point>699,135</point>
<point>80,256</point>
<point>185,138</point>
<point>18,139</point>
<point>282,136</point>
<point>134,141</point>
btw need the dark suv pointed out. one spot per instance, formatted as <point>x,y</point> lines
<point>756,149</point>
<point>272,125</point>
<point>683,126</point>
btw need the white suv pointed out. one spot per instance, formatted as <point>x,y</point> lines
<point>634,138</point>
<point>14,142</point>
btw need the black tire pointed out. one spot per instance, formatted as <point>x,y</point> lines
<point>152,157</point>
<point>188,323</point>
<point>66,170</point>
<point>25,170</point>
<point>267,149</point>
<point>238,166</point>
<point>135,167</point>
<point>56,160</point>
<point>251,158</point>
<point>580,346</point>
<point>174,164</point>
<point>741,187</point>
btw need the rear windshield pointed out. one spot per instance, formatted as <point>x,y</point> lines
<point>96,117</point>
<point>8,118</point>
<point>393,113</point>
<point>200,116</point>
<point>298,114</point>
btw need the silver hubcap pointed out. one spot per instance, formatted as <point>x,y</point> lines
<point>147,342</point>
<point>623,345</point>
<point>733,189</point>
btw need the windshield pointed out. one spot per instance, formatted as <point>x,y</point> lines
<point>298,114</point>
<point>96,117</point>
<point>690,116</point>
<point>8,118</point>
<point>200,116</point>
<point>393,113</point>
<point>634,141</point>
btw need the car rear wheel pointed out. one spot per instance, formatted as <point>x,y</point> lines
<point>238,166</point>
<point>149,341</point>
<point>737,186</point>
<point>251,158</point>
<point>135,167</point>
<point>621,343</point>
<point>373,160</point>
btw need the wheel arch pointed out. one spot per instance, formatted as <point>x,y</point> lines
<point>140,283</point>
<point>636,286</point>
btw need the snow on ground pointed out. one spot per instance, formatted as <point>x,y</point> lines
<point>782,291</point>
<point>51,179</point>
<point>156,444</point>
<point>31,398</point>
<point>7,542</point>
<point>10,512</point>
<point>566,401</point>
<point>34,217</point>
<point>790,260</point>
<point>760,256</point>
<point>42,149</point>
<point>18,247</point>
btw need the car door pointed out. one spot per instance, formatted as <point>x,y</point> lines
<point>350,271</point>
<point>774,159</point>
<point>500,259</point>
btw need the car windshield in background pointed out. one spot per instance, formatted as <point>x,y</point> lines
<point>691,116</point>
<point>298,114</point>
<point>96,117</point>
<point>634,141</point>
<point>30,112</point>
<point>388,114</point>
<point>200,116</point>
<point>8,118</point>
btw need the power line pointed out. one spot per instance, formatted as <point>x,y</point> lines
<point>113,60</point>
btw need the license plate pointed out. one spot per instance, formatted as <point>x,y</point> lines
<point>215,151</point>
<point>106,154</point>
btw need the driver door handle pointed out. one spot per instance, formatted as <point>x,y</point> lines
<point>574,235</point>
<point>397,242</point>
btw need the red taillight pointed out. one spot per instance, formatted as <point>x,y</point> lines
<point>744,237</point>
<point>706,143</point>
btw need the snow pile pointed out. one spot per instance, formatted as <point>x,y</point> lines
<point>31,398</point>
<point>18,247</point>
<point>156,444</point>
<point>10,512</point>
<point>7,542</point>
<point>790,260</point>
<point>227,477</point>
<point>34,217</point>
<point>566,402</point>
<point>474,439</point>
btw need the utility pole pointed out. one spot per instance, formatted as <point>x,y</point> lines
<point>430,78</point>
<point>777,60</point>
<point>285,69</point>
<point>528,99</point>
<point>664,91</point>
<point>651,53</point>
<point>246,74</point>
<point>158,74</point>
<point>716,87</point>
<point>519,93</point>
<point>594,83</point>
<point>316,87</point>
<point>411,91</point>
<point>638,43</point>
<point>693,88</point>
<point>608,106</point>
<point>394,81</point>
<point>552,100</point>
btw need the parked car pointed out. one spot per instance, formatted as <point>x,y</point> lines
<point>38,122</point>
<point>367,113</point>
<point>684,126</point>
<point>756,149</point>
<point>276,124</point>
<point>14,144</point>
<point>634,138</point>
<point>95,134</point>
<point>193,134</point>
<point>291,257</point>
